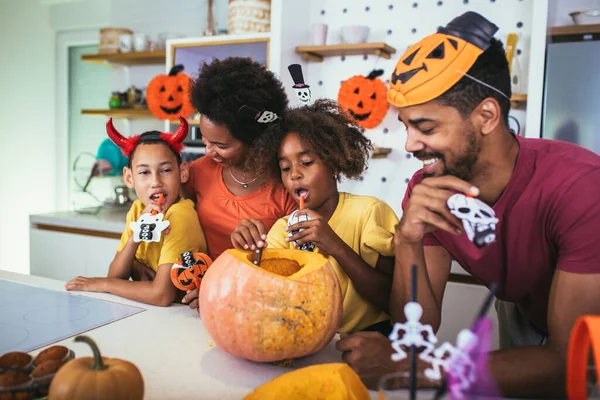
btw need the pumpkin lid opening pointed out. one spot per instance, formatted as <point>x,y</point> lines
<point>285,262</point>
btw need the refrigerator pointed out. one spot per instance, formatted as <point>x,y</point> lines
<point>571,107</point>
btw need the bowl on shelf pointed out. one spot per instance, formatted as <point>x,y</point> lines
<point>355,34</point>
<point>586,17</point>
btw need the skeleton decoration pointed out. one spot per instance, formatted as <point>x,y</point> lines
<point>465,363</point>
<point>479,219</point>
<point>413,334</point>
<point>148,227</point>
<point>263,117</point>
<point>302,89</point>
<point>294,219</point>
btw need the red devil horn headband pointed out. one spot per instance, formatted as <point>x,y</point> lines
<point>127,145</point>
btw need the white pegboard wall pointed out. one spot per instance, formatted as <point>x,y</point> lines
<point>400,24</point>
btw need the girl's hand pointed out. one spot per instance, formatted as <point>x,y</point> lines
<point>84,284</point>
<point>249,235</point>
<point>317,231</point>
<point>193,296</point>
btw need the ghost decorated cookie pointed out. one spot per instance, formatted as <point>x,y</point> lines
<point>478,219</point>
<point>148,227</point>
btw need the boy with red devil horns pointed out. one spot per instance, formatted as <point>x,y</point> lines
<point>156,172</point>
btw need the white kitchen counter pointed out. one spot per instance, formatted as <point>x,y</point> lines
<point>176,356</point>
<point>110,220</point>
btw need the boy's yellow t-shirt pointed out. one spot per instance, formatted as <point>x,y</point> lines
<point>185,235</point>
<point>367,225</point>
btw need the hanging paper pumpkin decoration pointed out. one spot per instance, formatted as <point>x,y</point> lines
<point>169,95</point>
<point>365,98</point>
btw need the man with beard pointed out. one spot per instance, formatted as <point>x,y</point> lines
<point>453,93</point>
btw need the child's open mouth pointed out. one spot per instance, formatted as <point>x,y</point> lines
<point>301,192</point>
<point>155,196</point>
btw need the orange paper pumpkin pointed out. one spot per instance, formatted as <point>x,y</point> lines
<point>365,98</point>
<point>188,272</point>
<point>433,65</point>
<point>169,95</point>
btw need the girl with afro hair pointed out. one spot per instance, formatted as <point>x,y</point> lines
<point>314,146</point>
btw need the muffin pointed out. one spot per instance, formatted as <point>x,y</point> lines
<point>16,360</point>
<point>18,382</point>
<point>52,353</point>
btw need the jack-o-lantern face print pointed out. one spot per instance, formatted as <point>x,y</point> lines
<point>433,65</point>
<point>365,99</point>
<point>187,273</point>
<point>169,95</point>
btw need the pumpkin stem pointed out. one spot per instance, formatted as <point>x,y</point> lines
<point>179,67</point>
<point>98,364</point>
<point>375,73</point>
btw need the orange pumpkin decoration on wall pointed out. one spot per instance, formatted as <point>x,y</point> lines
<point>169,95</point>
<point>187,273</point>
<point>365,98</point>
<point>263,316</point>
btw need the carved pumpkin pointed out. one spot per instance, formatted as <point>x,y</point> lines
<point>97,378</point>
<point>262,316</point>
<point>433,65</point>
<point>365,98</point>
<point>324,381</point>
<point>187,273</point>
<point>169,95</point>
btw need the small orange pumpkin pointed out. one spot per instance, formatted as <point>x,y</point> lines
<point>97,378</point>
<point>365,98</point>
<point>169,95</point>
<point>187,273</point>
<point>263,316</point>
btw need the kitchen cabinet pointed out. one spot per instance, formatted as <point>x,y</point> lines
<point>64,245</point>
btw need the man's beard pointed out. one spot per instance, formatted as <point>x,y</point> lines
<point>462,167</point>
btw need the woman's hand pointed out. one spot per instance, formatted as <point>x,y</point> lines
<point>84,284</point>
<point>316,230</point>
<point>191,296</point>
<point>249,235</point>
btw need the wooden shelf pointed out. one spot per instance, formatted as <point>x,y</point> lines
<point>381,152</point>
<point>133,58</point>
<point>574,30</point>
<point>120,113</point>
<point>317,53</point>
<point>518,100</point>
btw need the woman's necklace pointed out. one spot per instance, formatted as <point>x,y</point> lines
<point>244,184</point>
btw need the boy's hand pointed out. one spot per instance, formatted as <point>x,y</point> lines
<point>84,284</point>
<point>316,230</point>
<point>249,235</point>
<point>193,296</point>
<point>141,272</point>
<point>427,209</point>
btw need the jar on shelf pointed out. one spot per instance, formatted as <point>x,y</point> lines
<point>115,100</point>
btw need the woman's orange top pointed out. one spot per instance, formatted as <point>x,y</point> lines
<point>220,211</point>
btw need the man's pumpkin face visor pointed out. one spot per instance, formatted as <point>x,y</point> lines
<point>433,65</point>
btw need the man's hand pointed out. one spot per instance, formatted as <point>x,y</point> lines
<point>369,354</point>
<point>84,284</point>
<point>249,234</point>
<point>316,230</point>
<point>141,272</point>
<point>427,209</point>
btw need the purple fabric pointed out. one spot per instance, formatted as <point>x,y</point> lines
<point>484,383</point>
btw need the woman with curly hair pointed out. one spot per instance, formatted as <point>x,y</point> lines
<point>224,183</point>
<point>313,147</point>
